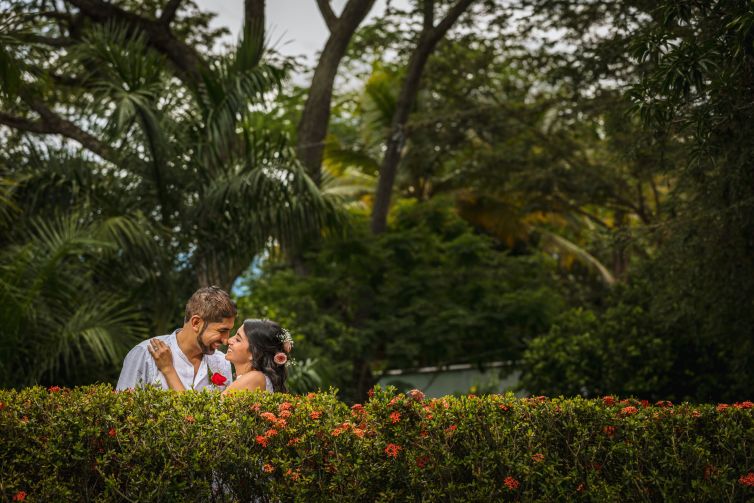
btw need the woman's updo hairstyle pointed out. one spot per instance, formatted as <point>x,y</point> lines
<point>266,339</point>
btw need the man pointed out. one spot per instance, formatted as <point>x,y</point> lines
<point>210,315</point>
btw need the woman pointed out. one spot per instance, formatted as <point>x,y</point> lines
<point>258,351</point>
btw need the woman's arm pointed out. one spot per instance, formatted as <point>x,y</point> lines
<point>250,381</point>
<point>163,357</point>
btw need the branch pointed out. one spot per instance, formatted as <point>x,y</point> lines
<point>52,123</point>
<point>254,17</point>
<point>52,14</point>
<point>51,41</point>
<point>65,80</point>
<point>24,124</point>
<point>331,20</point>
<point>185,59</point>
<point>168,13</point>
<point>453,14</point>
<point>429,15</point>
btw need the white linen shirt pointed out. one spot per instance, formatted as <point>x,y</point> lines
<point>140,369</point>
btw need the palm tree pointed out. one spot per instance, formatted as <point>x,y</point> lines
<point>175,163</point>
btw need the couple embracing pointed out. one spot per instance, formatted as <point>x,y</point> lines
<point>188,358</point>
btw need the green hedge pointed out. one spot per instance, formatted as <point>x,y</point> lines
<point>92,443</point>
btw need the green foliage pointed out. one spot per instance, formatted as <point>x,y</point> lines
<point>620,351</point>
<point>428,291</point>
<point>152,445</point>
<point>58,323</point>
<point>182,174</point>
<point>637,345</point>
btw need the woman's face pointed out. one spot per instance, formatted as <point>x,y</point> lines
<point>238,348</point>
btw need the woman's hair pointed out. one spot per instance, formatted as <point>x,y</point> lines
<point>265,341</point>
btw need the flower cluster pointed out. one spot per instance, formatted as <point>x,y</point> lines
<point>511,483</point>
<point>747,480</point>
<point>404,442</point>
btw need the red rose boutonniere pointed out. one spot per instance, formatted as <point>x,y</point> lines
<point>218,379</point>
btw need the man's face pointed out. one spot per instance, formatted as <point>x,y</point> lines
<point>211,336</point>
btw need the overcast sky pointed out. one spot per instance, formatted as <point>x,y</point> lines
<point>294,27</point>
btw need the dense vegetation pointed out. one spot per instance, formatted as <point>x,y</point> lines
<point>151,445</point>
<point>568,185</point>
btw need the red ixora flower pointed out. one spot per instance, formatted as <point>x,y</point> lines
<point>721,407</point>
<point>261,440</point>
<point>628,411</point>
<point>112,432</point>
<point>608,400</point>
<point>315,414</point>
<point>421,461</point>
<point>609,430</point>
<point>218,379</point>
<point>268,468</point>
<point>395,417</point>
<point>747,480</point>
<point>392,450</point>
<point>511,483</point>
<point>19,496</point>
<point>269,416</point>
<point>743,405</point>
<point>280,358</point>
<point>54,389</point>
<point>538,457</point>
<point>285,406</point>
<point>416,395</point>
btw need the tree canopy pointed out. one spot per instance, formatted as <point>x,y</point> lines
<point>567,185</point>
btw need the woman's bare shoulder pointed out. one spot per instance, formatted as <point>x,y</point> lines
<point>249,381</point>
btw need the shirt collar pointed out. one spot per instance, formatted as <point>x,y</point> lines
<point>176,349</point>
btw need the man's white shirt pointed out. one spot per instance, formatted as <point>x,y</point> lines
<point>140,369</point>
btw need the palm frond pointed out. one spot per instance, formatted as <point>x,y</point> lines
<point>550,240</point>
<point>123,73</point>
<point>337,158</point>
<point>48,293</point>
<point>378,103</point>
<point>11,68</point>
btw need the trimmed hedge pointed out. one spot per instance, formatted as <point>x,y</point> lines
<point>91,443</point>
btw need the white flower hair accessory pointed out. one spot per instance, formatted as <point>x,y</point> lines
<point>286,340</point>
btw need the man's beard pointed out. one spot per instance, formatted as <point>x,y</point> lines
<point>205,349</point>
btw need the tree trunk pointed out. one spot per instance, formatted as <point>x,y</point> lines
<point>315,118</point>
<point>362,374</point>
<point>428,39</point>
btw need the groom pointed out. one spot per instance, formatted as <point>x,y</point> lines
<point>210,315</point>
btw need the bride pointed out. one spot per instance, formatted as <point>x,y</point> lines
<point>258,351</point>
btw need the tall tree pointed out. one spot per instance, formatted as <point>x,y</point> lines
<point>428,38</point>
<point>125,115</point>
<point>315,117</point>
